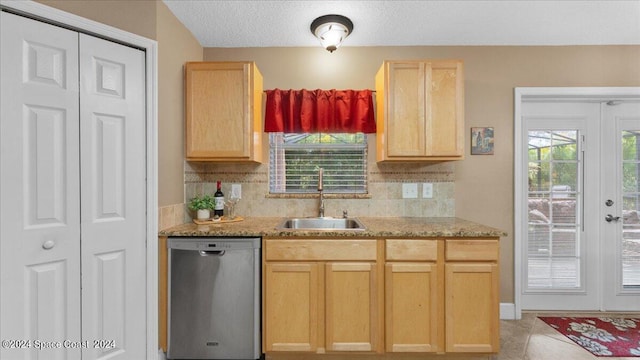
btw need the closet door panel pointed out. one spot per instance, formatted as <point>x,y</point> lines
<point>112,127</point>
<point>39,189</point>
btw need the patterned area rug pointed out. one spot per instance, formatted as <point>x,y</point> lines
<point>606,337</point>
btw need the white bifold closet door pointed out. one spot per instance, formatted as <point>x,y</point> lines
<point>72,195</point>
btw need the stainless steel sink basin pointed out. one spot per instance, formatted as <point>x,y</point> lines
<point>321,223</point>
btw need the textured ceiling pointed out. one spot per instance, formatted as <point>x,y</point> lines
<point>264,23</point>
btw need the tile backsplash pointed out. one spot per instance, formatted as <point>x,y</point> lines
<point>171,215</point>
<point>384,196</point>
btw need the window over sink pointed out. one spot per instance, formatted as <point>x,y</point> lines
<point>295,159</point>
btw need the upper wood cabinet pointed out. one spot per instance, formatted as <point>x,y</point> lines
<point>223,110</point>
<point>420,110</point>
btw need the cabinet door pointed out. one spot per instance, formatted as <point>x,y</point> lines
<point>472,309</point>
<point>411,300</point>
<point>406,105</point>
<point>221,114</point>
<point>291,306</point>
<point>445,114</point>
<point>351,307</point>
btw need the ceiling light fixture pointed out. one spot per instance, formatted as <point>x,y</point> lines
<point>331,30</point>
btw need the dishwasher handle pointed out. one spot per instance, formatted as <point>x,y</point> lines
<point>211,252</point>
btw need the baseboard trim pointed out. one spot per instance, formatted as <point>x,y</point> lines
<point>507,311</point>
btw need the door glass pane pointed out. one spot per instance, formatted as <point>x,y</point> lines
<point>630,257</point>
<point>553,243</point>
<point>630,173</point>
<point>564,175</point>
<point>560,151</point>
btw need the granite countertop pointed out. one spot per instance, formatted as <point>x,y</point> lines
<point>376,227</point>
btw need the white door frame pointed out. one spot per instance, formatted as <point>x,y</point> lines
<point>520,216</point>
<point>64,19</point>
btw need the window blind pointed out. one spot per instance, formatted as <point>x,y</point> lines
<point>296,158</point>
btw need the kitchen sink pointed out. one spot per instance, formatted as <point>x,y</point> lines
<point>321,223</point>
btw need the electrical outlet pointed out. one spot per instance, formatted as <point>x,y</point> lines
<point>427,190</point>
<point>236,191</point>
<point>410,191</point>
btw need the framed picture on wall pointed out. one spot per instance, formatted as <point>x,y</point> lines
<point>482,141</point>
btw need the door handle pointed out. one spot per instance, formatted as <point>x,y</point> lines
<point>48,245</point>
<point>610,218</point>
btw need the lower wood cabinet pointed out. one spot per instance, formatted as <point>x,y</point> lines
<point>472,311</point>
<point>351,306</point>
<point>413,295</point>
<point>381,295</point>
<point>291,307</point>
<point>320,295</point>
<point>472,296</point>
<point>411,307</point>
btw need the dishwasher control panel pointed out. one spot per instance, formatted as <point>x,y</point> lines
<point>213,243</point>
<point>220,245</point>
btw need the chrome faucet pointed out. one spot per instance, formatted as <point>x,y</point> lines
<point>320,189</point>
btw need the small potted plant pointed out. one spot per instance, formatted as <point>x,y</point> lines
<point>202,205</point>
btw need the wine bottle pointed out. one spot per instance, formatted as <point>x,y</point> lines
<point>218,198</point>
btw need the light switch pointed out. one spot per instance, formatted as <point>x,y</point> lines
<point>236,191</point>
<point>427,190</point>
<point>410,191</point>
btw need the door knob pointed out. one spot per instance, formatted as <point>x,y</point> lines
<point>610,218</point>
<point>48,245</point>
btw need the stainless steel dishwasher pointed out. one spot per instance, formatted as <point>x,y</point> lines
<point>214,298</point>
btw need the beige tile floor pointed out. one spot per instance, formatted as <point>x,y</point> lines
<point>532,339</point>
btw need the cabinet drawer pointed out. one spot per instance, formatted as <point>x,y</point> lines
<point>463,250</point>
<point>316,249</point>
<point>412,249</point>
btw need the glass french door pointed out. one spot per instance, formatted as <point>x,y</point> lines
<point>582,246</point>
<point>621,206</point>
<point>560,252</point>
